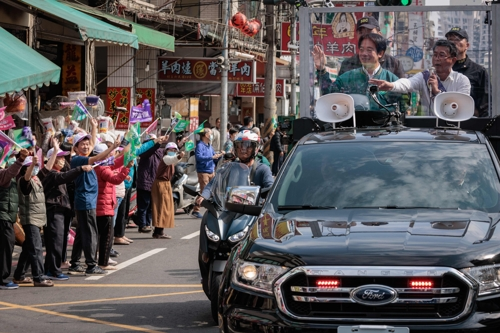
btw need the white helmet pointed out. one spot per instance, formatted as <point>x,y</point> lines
<point>247,135</point>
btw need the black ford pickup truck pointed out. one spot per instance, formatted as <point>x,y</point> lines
<point>373,230</point>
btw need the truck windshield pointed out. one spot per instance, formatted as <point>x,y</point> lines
<point>390,175</point>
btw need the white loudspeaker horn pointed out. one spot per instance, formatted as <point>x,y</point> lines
<point>453,106</point>
<point>335,108</point>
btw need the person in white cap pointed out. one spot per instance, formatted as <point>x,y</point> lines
<point>33,218</point>
<point>8,212</point>
<point>106,202</point>
<point>58,207</point>
<point>161,193</point>
<point>86,190</point>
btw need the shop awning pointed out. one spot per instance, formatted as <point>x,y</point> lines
<point>89,27</point>
<point>146,36</point>
<point>22,67</point>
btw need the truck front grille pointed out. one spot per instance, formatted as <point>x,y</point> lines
<point>447,300</point>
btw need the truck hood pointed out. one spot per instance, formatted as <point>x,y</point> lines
<point>417,237</point>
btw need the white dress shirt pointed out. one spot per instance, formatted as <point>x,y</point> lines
<point>455,82</point>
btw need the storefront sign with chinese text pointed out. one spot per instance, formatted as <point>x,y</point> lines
<point>71,78</point>
<point>338,37</point>
<point>204,70</point>
<point>257,89</point>
<point>119,97</point>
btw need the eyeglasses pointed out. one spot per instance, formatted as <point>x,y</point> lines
<point>244,144</point>
<point>440,56</point>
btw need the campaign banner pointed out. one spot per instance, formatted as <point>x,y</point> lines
<point>146,93</point>
<point>204,70</point>
<point>7,123</point>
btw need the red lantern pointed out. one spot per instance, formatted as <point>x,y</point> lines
<point>239,20</point>
<point>249,29</point>
<point>257,23</point>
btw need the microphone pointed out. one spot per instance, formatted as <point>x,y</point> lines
<point>373,94</point>
<point>432,71</point>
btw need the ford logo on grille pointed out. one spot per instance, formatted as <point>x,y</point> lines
<point>373,295</point>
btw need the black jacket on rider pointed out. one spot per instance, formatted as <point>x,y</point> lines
<point>262,177</point>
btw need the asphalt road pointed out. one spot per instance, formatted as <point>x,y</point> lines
<point>156,288</point>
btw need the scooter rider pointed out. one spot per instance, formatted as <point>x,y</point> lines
<point>245,146</point>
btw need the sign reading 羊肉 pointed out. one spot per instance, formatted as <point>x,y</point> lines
<point>204,70</point>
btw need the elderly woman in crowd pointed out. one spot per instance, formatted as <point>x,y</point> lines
<point>161,193</point>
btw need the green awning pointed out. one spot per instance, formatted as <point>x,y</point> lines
<point>146,36</point>
<point>88,26</point>
<point>22,67</point>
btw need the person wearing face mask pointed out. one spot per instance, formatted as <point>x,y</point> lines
<point>106,203</point>
<point>32,214</point>
<point>58,207</point>
<point>149,161</point>
<point>9,200</point>
<point>205,163</point>
<point>161,193</point>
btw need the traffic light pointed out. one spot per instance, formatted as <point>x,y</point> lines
<point>392,2</point>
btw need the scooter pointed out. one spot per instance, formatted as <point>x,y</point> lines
<point>183,200</point>
<point>220,229</point>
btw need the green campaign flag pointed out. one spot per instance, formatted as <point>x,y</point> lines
<point>178,115</point>
<point>134,133</point>
<point>181,126</point>
<point>79,112</point>
<point>273,121</point>
<point>23,137</point>
<point>200,128</point>
<point>133,137</point>
<point>189,145</point>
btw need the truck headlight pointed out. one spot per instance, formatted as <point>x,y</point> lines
<point>212,236</point>
<point>488,278</point>
<point>257,277</point>
<point>238,236</point>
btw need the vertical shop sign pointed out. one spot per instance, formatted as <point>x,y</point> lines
<point>71,79</point>
<point>194,122</point>
<point>119,97</point>
<point>149,94</point>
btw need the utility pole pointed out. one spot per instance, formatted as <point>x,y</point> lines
<point>225,68</point>
<point>270,80</point>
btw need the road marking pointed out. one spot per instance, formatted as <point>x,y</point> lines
<point>194,234</point>
<point>90,320</point>
<point>128,263</point>
<point>108,299</point>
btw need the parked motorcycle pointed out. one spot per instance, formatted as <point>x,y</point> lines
<point>220,229</point>
<point>182,177</point>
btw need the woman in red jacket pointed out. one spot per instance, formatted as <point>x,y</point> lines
<point>106,201</point>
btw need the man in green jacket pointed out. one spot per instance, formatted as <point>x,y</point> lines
<point>371,49</point>
<point>9,202</point>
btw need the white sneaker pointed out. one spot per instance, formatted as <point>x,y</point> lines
<point>112,262</point>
